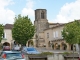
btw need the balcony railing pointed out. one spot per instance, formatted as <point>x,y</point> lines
<point>57,38</point>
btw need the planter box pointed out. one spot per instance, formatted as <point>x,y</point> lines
<point>37,57</point>
<point>45,57</point>
<point>71,57</point>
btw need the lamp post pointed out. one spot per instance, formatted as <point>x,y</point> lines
<point>73,50</point>
<point>51,44</point>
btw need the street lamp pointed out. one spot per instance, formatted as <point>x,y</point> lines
<point>73,50</point>
<point>51,44</point>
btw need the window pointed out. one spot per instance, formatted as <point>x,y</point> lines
<point>47,35</point>
<point>55,34</point>
<point>4,35</point>
<point>42,15</point>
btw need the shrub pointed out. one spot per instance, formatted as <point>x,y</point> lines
<point>66,53</point>
<point>47,53</point>
<point>53,46</point>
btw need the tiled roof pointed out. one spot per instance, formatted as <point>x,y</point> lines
<point>58,25</point>
<point>8,26</point>
<point>55,23</point>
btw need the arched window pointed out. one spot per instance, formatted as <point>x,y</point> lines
<point>42,15</point>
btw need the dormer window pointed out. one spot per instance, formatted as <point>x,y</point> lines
<point>42,15</point>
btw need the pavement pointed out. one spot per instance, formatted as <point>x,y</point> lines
<point>53,51</point>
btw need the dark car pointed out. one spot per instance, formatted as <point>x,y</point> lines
<point>6,48</point>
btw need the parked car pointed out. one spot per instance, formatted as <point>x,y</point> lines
<point>30,50</point>
<point>12,55</point>
<point>16,48</point>
<point>6,48</point>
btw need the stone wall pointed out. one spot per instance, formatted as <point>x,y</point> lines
<point>55,56</point>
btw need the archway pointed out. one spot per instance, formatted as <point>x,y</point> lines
<point>42,14</point>
<point>30,43</point>
<point>6,44</point>
<point>71,46</point>
<point>64,46</point>
<point>56,46</point>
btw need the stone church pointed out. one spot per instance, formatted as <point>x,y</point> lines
<point>48,35</point>
<point>41,23</point>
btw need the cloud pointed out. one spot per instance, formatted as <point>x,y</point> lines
<point>68,12</point>
<point>4,3</point>
<point>28,10</point>
<point>6,15</point>
<point>30,3</point>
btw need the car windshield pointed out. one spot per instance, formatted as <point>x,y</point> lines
<point>31,49</point>
<point>13,55</point>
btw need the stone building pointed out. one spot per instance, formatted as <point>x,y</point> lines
<point>47,35</point>
<point>41,23</point>
<point>7,37</point>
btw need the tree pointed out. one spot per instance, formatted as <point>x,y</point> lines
<point>71,33</point>
<point>1,31</point>
<point>23,29</point>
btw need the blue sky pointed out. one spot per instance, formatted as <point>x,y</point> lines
<point>61,11</point>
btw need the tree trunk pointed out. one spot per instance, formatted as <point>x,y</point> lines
<point>79,51</point>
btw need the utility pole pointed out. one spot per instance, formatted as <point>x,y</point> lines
<point>73,51</point>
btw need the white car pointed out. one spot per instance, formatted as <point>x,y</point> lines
<point>17,48</point>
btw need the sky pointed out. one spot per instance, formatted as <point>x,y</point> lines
<point>58,11</point>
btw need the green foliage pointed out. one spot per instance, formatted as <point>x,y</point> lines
<point>71,32</point>
<point>1,46</point>
<point>23,29</point>
<point>53,46</point>
<point>66,53</point>
<point>46,53</point>
<point>1,31</point>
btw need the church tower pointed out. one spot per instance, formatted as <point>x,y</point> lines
<point>41,22</point>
